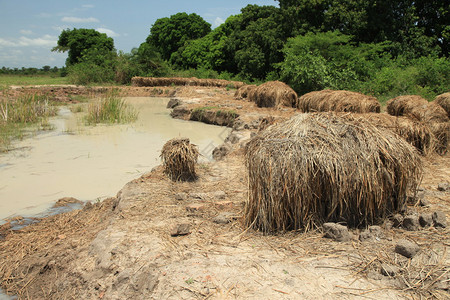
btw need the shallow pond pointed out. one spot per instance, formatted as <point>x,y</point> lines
<point>92,162</point>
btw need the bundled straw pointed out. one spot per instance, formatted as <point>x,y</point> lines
<point>273,94</point>
<point>444,101</point>
<point>338,101</point>
<point>414,132</point>
<point>405,105</point>
<point>320,167</point>
<point>179,159</point>
<point>243,91</point>
<point>179,81</point>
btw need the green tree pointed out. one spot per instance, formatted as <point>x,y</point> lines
<point>169,34</point>
<point>80,42</point>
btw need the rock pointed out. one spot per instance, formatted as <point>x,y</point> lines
<point>195,207</point>
<point>180,112</point>
<point>411,223</point>
<point>389,270</point>
<point>221,151</point>
<point>201,196</point>
<point>439,219</point>
<point>373,233</point>
<point>223,218</point>
<point>173,102</point>
<point>426,220</point>
<point>336,232</point>
<point>397,220</point>
<point>407,248</point>
<point>181,196</point>
<point>180,229</point>
<point>443,187</point>
<point>424,202</point>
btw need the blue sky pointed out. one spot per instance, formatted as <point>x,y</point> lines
<point>30,28</point>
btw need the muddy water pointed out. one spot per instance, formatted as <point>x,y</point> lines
<point>91,163</point>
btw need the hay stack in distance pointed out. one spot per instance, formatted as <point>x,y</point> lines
<point>338,101</point>
<point>405,105</point>
<point>179,157</point>
<point>273,94</point>
<point>181,81</point>
<point>320,167</point>
<point>243,92</point>
<point>444,101</point>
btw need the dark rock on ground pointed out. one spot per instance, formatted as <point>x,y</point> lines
<point>397,220</point>
<point>407,248</point>
<point>411,223</point>
<point>221,151</point>
<point>443,187</point>
<point>426,220</point>
<point>180,229</point>
<point>180,112</point>
<point>373,233</point>
<point>336,232</point>
<point>173,102</point>
<point>223,218</point>
<point>439,219</point>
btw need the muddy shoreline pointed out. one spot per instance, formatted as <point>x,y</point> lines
<point>123,248</point>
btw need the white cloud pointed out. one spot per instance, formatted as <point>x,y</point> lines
<point>44,41</point>
<point>80,20</point>
<point>87,6</point>
<point>108,32</point>
<point>26,32</point>
<point>218,21</point>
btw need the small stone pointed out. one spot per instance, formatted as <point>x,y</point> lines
<point>397,220</point>
<point>424,202</point>
<point>181,196</point>
<point>426,220</point>
<point>195,207</point>
<point>443,187</point>
<point>439,219</point>
<point>336,232</point>
<point>411,223</point>
<point>407,248</point>
<point>365,236</point>
<point>180,229</point>
<point>222,218</point>
<point>173,102</point>
<point>201,196</point>
<point>389,270</point>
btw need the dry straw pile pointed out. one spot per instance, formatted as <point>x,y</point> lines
<point>320,167</point>
<point>444,101</point>
<point>338,101</point>
<point>273,94</point>
<point>179,157</point>
<point>431,115</point>
<point>244,91</point>
<point>414,132</point>
<point>180,81</point>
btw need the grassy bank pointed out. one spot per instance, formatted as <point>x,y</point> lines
<point>16,115</point>
<point>8,80</point>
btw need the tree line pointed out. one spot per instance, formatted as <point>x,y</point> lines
<point>379,47</point>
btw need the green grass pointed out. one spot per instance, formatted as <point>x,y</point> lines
<point>17,115</point>
<point>111,108</point>
<point>8,80</point>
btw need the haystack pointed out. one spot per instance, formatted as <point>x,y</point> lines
<point>320,167</point>
<point>179,157</point>
<point>444,101</point>
<point>273,94</point>
<point>414,132</point>
<point>180,81</point>
<point>338,101</point>
<point>243,92</point>
<point>406,105</point>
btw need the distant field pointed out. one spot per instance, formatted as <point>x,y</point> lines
<point>8,80</point>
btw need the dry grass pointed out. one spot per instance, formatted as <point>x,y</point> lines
<point>273,94</point>
<point>244,91</point>
<point>405,105</point>
<point>414,132</point>
<point>338,101</point>
<point>320,167</point>
<point>179,81</point>
<point>179,157</point>
<point>444,101</point>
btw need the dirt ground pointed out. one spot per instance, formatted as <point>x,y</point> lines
<point>123,248</point>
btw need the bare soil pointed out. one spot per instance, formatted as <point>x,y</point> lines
<point>124,248</point>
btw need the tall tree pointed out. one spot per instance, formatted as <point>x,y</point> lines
<point>169,34</point>
<point>81,42</point>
